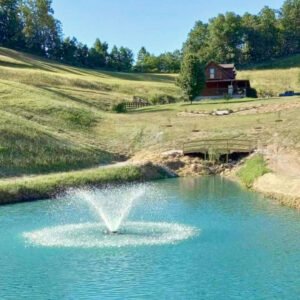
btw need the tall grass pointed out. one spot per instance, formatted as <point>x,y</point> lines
<point>254,167</point>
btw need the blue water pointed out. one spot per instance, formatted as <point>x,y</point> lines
<point>246,248</point>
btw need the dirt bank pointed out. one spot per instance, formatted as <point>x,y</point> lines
<point>283,183</point>
<point>181,165</point>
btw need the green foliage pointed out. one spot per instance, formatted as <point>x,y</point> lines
<point>10,23</point>
<point>120,59</point>
<point>247,39</point>
<point>119,107</point>
<point>168,62</point>
<point>192,76</point>
<point>251,93</point>
<point>78,118</point>
<point>161,99</point>
<point>254,167</point>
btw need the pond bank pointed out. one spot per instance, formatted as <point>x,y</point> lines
<point>273,173</point>
<point>280,181</point>
<point>47,186</point>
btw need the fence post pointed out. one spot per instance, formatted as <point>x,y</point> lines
<point>227,153</point>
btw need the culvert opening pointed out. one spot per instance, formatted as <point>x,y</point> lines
<point>221,158</point>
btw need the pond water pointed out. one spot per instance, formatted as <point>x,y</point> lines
<point>197,239</point>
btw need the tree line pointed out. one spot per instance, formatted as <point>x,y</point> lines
<point>247,39</point>
<point>30,25</point>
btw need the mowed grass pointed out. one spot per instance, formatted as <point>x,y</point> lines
<point>56,118</point>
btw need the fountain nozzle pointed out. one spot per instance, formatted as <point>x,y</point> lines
<point>113,232</point>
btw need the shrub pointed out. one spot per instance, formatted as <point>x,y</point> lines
<point>119,107</point>
<point>251,93</point>
<point>253,168</point>
<point>265,93</point>
<point>161,99</point>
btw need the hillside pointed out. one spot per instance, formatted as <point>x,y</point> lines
<point>52,115</point>
<point>55,117</point>
<point>276,76</point>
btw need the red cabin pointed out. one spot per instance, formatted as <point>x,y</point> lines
<point>221,81</point>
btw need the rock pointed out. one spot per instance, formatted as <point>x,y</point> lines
<point>224,112</point>
<point>172,153</point>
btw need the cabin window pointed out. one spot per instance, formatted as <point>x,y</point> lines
<point>212,72</point>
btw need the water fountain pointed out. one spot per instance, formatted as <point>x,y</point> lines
<point>111,207</point>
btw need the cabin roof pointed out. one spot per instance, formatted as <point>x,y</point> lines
<point>227,66</point>
<point>224,66</point>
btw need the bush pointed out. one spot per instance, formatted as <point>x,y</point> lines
<point>251,93</point>
<point>265,93</point>
<point>253,168</point>
<point>119,107</point>
<point>161,99</point>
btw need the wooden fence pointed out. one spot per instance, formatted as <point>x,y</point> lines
<point>135,105</point>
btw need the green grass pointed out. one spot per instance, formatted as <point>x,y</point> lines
<point>46,186</point>
<point>55,117</point>
<point>254,167</point>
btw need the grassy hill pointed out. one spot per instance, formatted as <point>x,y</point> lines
<point>56,117</point>
<point>53,116</point>
<point>276,76</point>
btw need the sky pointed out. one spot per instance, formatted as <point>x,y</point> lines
<point>159,25</point>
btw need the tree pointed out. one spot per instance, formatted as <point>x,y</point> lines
<point>41,30</point>
<point>125,59</point>
<point>192,76</point>
<point>69,48</point>
<point>225,38</point>
<point>290,26</point>
<point>170,62</point>
<point>141,64</point>
<point>10,24</point>
<point>198,41</point>
<point>114,59</point>
<point>98,54</point>
<point>268,31</point>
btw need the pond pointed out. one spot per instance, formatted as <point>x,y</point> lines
<point>186,238</point>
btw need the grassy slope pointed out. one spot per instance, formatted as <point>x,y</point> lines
<point>54,118</point>
<point>275,76</point>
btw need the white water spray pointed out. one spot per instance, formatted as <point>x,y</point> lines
<point>113,205</point>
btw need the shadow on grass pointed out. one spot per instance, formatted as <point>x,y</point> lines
<point>24,154</point>
<point>75,99</point>
<point>140,76</point>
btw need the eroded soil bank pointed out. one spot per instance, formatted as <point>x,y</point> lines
<point>281,183</point>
